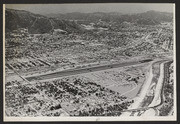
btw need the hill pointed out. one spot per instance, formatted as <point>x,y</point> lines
<point>146,18</point>
<point>35,23</point>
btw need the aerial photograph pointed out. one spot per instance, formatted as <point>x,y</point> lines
<point>89,60</point>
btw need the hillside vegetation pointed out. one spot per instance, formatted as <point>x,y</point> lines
<point>37,24</point>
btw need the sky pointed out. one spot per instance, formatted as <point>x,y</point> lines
<point>93,7</point>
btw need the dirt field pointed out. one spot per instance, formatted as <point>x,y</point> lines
<point>127,80</point>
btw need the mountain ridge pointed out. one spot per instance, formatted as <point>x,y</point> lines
<point>36,23</point>
<point>115,16</point>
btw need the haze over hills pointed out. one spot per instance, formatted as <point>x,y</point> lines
<point>125,8</point>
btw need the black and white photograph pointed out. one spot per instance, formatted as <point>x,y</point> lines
<point>89,61</point>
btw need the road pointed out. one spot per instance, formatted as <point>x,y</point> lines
<point>71,72</point>
<point>153,105</point>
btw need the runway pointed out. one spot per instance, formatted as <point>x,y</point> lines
<point>71,72</point>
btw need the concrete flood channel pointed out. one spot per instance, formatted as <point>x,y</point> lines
<point>149,106</point>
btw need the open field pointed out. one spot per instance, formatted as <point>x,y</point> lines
<point>127,80</point>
